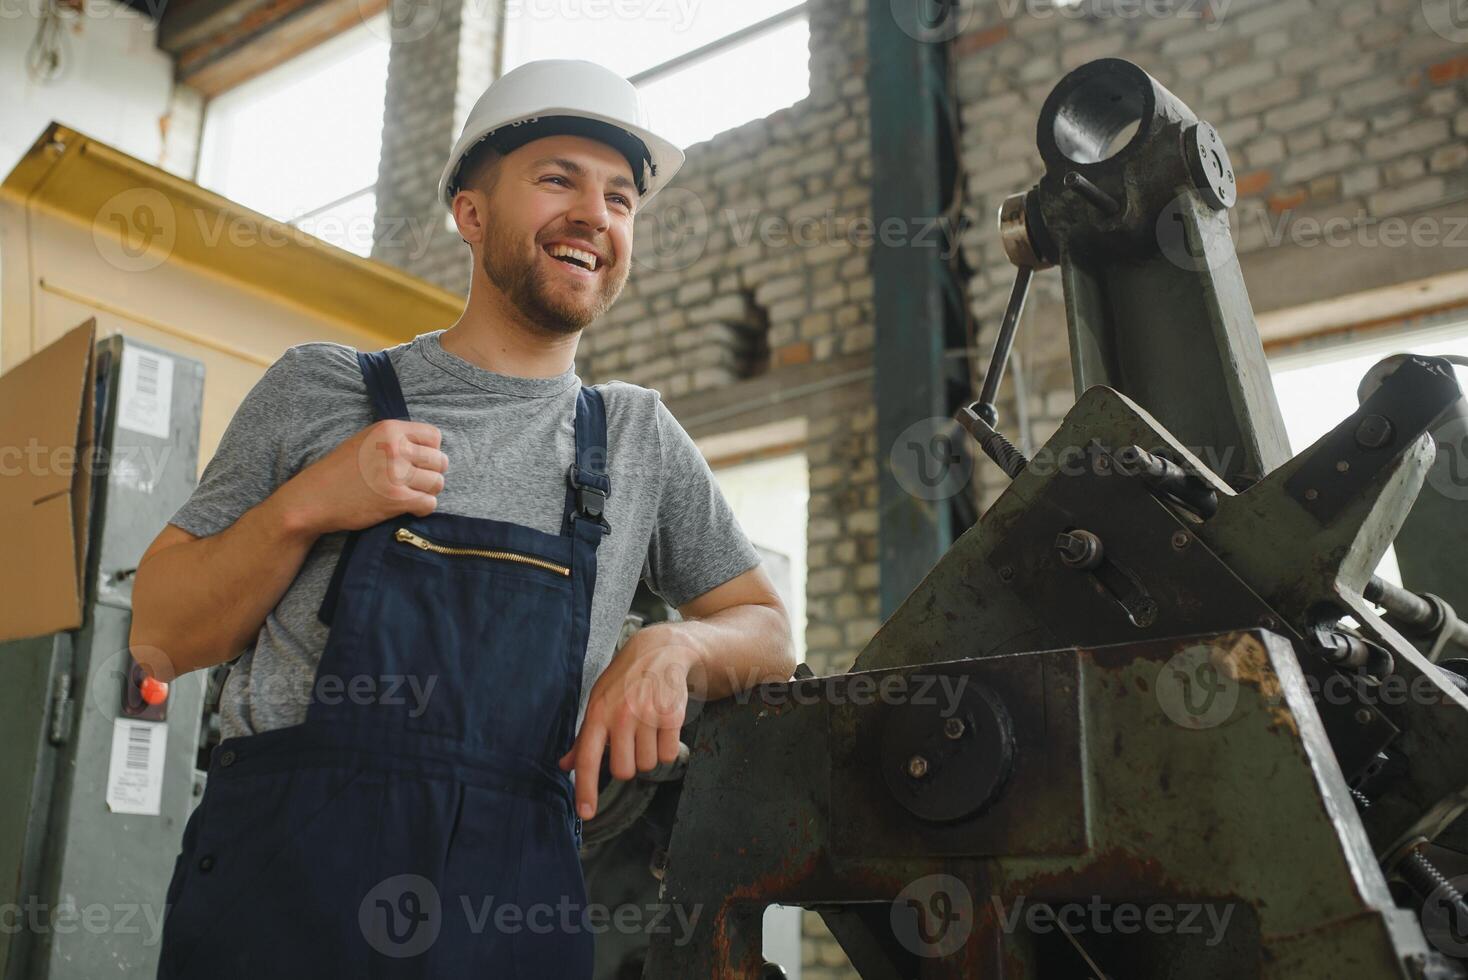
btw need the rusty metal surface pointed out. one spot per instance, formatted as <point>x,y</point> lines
<point>1170,823</point>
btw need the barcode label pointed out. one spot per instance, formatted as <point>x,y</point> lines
<point>135,775</point>
<point>147,375</point>
<point>138,744</point>
<point>145,392</point>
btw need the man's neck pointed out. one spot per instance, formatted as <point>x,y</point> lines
<point>502,344</point>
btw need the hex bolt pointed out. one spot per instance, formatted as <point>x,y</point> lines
<point>1311,494</point>
<point>1006,573</point>
<point>917,767</point>
<point>1363,716</point>
<point>953,728</point>
<point>1079,549</point>
<point>1373,432</point>
<point>1180,539</point>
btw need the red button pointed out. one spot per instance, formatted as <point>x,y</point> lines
<point>154,690</point>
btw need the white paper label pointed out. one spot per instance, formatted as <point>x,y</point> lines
<point>145,397</point>
<point>135,774</point>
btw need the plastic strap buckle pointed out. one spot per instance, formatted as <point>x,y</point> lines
<point>591,501</point>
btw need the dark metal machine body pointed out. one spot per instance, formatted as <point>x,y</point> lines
<point>1147,679</point>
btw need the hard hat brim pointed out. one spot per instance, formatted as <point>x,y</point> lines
<point>665,158</point>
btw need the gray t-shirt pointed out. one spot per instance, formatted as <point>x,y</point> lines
<point>509,442</point>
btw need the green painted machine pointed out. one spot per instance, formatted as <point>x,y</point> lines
<point>1141,720</point>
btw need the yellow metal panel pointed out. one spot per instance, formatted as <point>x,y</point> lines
<point>87,231</point>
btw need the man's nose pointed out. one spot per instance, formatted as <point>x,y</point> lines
<point>590,211</point>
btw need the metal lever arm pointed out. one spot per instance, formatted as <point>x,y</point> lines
<point>984,407</point>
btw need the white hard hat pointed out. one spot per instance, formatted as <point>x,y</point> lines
<point>555,97</point>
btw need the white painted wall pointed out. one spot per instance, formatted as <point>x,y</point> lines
<point>114,84</point>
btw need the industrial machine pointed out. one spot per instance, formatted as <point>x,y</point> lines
<point>99,760</point>
<point>1144,718</point>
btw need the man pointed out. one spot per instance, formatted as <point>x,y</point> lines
<point>426,554</point>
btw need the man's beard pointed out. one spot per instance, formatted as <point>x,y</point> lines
<point>530,289</point>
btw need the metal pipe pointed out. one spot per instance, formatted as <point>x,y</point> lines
<point>1419,615</point>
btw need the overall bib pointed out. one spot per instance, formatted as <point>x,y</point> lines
<point>402,834</point>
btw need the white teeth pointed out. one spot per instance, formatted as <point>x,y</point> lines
<point>587,258</point>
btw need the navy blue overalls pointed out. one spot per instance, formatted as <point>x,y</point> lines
<point>394,835</point>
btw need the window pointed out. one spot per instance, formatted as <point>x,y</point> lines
<point>702,68</point>
<point>770,498</point>
<point>300,143</point>
<point>1317,387</point>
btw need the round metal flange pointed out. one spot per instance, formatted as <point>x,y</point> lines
<point>1021,246</point>
<point>944,765</point>
<point>1209,165</point>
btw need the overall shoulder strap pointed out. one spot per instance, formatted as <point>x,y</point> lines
<point>387,403</point>
<point>382,385</point>
<point>587,483</point>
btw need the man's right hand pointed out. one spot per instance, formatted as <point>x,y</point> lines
<point>189,610</point>
<point>391,467</point>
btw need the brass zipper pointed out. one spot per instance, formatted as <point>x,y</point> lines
<point>424,544</point>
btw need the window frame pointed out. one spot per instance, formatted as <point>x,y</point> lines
<point>721,44</point>
<point>301,63</point>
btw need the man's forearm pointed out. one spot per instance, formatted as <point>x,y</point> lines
<point>199,603</point>
<point>736,649</point>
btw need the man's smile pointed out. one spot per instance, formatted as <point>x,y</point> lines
<point>580,260</point>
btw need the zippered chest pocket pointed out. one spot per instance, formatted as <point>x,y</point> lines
<point>411,539</point>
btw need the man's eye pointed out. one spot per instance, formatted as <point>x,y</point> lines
<point>622,200</point>
<point>557,177</point>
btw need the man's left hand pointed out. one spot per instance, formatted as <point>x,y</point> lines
<point>635,710</point>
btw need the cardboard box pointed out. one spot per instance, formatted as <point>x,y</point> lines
<point>46,438</point>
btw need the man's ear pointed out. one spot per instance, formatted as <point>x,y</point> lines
<point>468,216</point>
